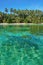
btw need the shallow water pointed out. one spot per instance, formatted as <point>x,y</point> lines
<point>21,45</point>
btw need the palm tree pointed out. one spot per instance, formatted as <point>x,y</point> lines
<point>11,10</point>
<point>6,10</point>
<point>1,17</point>
<point>15,11</point>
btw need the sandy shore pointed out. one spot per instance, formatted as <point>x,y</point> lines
<point>20,24</point>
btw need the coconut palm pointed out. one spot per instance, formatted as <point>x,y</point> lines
<point>11,10</point>
<point>6,10</point>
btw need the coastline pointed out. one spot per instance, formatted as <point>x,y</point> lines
<point>21,24</point>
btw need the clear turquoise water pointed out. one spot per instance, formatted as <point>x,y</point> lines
<point>21,45</point>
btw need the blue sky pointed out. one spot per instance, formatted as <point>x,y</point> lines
<point>21,4</point>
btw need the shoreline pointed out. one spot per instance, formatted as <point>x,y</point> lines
<point>21,24</point>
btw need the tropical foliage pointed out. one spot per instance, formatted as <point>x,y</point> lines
<point>21,16</point>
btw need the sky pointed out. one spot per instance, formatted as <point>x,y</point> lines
<point>21,4</point>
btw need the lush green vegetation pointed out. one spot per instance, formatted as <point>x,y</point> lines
<point>21,16</point>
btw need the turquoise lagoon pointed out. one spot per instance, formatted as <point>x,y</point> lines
<point>21,45</point>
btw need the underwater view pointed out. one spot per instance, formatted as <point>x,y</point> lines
<point>21,45</point>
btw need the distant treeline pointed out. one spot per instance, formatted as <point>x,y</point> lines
<point>21,16</point>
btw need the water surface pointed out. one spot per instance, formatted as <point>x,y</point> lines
<point>21,45</point>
